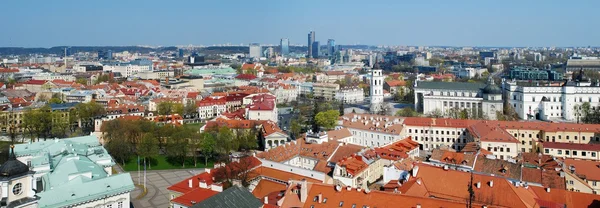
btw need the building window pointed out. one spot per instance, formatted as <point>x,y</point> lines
<point>584,153</point>
<point>507,149</point>
<point>593,154</point>
<point>559,152</point>
<point>567,152</point>
<point>109,206</point>
<point>547,151</point>
<point>574,153</point>
<point>17,189</point>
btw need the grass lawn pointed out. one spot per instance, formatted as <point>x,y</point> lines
<point>195,126</point>
<point>160,162</point>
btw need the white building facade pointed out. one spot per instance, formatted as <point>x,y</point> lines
<point>350,95</point>
<point>533,101</point>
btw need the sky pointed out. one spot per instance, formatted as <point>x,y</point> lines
<point>506,23</point>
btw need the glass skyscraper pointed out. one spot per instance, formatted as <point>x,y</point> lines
<point>311,41</point>
<point>284,46</point>
<point>315,49</point>
<point>331,47</point>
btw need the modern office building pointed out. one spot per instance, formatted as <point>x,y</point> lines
<point>315,49</point>
<point>330,47</point>
<point>530,73</point>
<point>105,55</point>
<point>180,53</point>
<point>311,40</point>
<point>284,47</point>
<point>255,50</point>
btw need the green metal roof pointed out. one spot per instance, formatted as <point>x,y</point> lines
<point>74,171</point>
<point>233,197</point>
<point>211,71</point>
<point>450,85</point>
<point>82,189</point>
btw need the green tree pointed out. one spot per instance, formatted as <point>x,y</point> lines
<point>295,128</point>
<point>224,140</point>
<point>437,113</point>
<point>119,149</point>
<point>464,114</point>
<point>82,81</point>
<point>190,110</point>
<point>207,146</point>
<point>55,101</point>
<point>178,108</point>
<point>407,112</point>
<point>327,119</point>
<point>86,113</point>
<point>148,148</point>
<point>178,145</point>
<point>165,108</point>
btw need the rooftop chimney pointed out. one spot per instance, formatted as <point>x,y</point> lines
<point>266,199</point>
<point>320,198</point>
<point>348,188</point>
<point>492,183</point>
<point>338,188</point>
<point>548,189</point>
<point>190,183</point>
<point>478,185</point>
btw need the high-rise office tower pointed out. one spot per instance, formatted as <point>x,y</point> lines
<point>284,46</point>
<point>311,40</point>
<point>331,47</point>
<point>180,54</point>
<point>315,49</point>
<point>255,50</point>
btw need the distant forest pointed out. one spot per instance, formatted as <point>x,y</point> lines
<point>59,50</point>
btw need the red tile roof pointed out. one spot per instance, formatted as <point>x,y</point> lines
<point>183,186</point>
<point>571,146</point>
<point>353,164</point>
<point>195,196</point>
<point>208,101</point>
<point>354,197</point>
<point>396,83</point>
<point>589,170</point>
<point>453,185</point>
<point>488,132</point>
<point>35,82</point>
<point>266,187</point>
<point>397,150</point>
<point>246,77</point>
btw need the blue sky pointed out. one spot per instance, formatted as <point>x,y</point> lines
<point>46,23</point>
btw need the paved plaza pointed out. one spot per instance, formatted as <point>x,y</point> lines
<point>157,183</point>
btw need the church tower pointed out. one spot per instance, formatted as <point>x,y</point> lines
<point>376,89</point>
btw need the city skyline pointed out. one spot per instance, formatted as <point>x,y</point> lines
<point>435,23</point>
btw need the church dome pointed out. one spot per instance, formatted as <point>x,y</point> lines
<point>491,88</point>
<point>13,167</point>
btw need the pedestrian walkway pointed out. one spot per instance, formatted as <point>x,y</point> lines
<point>157,182</point>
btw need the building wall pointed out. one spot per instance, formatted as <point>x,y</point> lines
<point>502,150</point>
<point>431,137</point>
<point>326,91</point>
<point>206,112</point>
<point>295,170</point>
<point>574,183</point>
<point>572,153</point>
<point>368,138</point>
<point>528,100</point>
<point>262,115</point>
<point>354,95</point>
<point>111,201</point>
